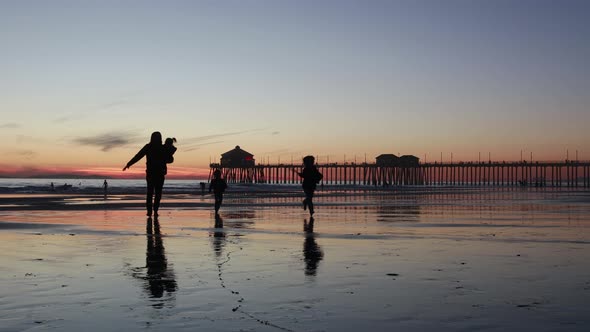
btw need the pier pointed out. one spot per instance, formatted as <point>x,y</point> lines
<point>533,174</point>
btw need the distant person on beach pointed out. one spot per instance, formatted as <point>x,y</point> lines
<point>218,185</point>
<point>170,149</point>
<point>155,172</point>
<point>105,186</point>
<point>52,187</point>
<point>311,177</point>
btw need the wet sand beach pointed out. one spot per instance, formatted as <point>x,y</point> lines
<point>418,260</point>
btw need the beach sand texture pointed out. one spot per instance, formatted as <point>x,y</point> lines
<point>419,260</point>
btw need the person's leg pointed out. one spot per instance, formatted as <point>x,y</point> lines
<point>309,200</point>
<point>149,195</point>
<point>218,201</point>
<point>158,185</point>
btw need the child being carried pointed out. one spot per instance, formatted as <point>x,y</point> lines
<point>169,148</point>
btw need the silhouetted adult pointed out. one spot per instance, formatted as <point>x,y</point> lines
<point>155,170</point>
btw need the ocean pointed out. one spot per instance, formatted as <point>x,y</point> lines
<point>90,186</point>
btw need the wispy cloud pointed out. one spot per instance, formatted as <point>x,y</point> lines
<point>95,110</point>
<point>216,136</point>
<point>61,119</point>
<point>194,143</point>
<point>27,154</point>
<point>27,139</point>
<point>10,125</point>
<point>108,141</point>
<point>198,146</point>
<point>120,100</point>
<point>22,154</point>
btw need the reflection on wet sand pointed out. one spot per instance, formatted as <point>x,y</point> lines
<point>159,279</point>
<point>240,218</point>
<point>312,252</point>
<point>393,213</point>
<point>218,237</point>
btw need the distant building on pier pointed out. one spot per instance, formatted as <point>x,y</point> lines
<point>388,159</point>
<point>237,158</point>
<point>409,161</point>
<point>392,160</point>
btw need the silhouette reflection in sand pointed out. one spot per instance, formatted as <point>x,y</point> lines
<point>312,252</point>
<point>159,279</point>
<point>218,237</point>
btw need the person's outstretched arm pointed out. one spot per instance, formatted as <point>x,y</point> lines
<point>137,157</point>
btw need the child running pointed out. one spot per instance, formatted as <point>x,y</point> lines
<point>218,185</point>
<point>311,177</point>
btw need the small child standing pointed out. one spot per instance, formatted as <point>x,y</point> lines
<point>105,186</point>
<point>311,177</point>
<point>169,148</point>
<point>218,185</point>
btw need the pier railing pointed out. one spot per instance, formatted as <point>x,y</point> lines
<point>490,173</point>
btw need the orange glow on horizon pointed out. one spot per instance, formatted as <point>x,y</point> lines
<point>97,172</point>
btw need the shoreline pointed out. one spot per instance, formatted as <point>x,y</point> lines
<point>401,260</point>
<point>281,196</point>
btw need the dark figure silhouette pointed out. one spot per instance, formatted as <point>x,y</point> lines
<point>159,278</point>
<point>170,149</point>
<point>155,172</point>
<point>105,186</point>
<point>312,253</point>
<point>311,177</point>
<point>218,185</point>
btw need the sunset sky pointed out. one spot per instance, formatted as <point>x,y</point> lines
<point>84,83</point>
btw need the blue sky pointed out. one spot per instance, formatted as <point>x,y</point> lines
<point>288,78</point>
